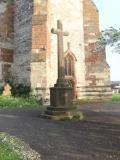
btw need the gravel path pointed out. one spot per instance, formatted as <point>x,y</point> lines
<point>95,138</point>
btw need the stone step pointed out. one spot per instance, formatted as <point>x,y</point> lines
<point>62,108</point>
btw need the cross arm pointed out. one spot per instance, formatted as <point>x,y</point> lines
<point>57,31</point>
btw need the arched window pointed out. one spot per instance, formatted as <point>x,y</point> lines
<point>69,66</point>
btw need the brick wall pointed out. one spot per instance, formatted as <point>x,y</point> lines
<point>6,20</point>
<point>39,46</point>
<point>97,69</point>
<point>6,58</point>
<point>6,40</point>
<point>39,26</point>
<point>6,55</point>
<point>91,25</point>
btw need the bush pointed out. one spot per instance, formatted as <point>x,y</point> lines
<point>19,102</point>
<point>20,90</point>
<point>1,90</point>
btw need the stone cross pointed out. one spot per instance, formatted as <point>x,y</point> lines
<point>60,33</point>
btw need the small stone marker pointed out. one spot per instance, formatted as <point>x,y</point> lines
<point>7,90</point>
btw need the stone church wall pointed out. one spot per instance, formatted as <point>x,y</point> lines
<point>81,20</point>
<point>97,70</point>
<point>27,44</point>
<point>71,14</point>
<point>6,40</point>
<point>39,48</point>
<point>22,41</point>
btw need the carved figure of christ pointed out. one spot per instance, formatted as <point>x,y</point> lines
<point>60,34</point>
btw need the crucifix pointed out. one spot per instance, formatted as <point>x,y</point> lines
<point>61,95</point>
<point>60,34</point>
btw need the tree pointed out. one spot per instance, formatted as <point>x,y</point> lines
<point>111,36</point>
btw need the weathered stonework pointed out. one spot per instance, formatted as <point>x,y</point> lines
<point>22,41</point>
<point>97,70</point>
<point>39,44</point>
<point>6,40</point>
<point>32,49</point>
<point>71,14</point>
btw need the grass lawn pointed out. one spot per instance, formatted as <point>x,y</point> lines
<point>13,148</point>
<point>116,97</point>
<point>18,102</point>
<point>6,153</point>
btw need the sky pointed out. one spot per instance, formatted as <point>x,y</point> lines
<point>109,11</point>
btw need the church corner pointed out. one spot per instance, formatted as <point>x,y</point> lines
<point>28,49</point>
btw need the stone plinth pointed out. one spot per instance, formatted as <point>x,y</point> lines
<point>61,96</point>
<point>61,103</point>
<point>61,100</point>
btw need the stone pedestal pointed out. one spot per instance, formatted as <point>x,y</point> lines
<point>61,96</point>
<point>61,101</point>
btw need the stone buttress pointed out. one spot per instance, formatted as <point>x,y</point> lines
<point>97,76</point>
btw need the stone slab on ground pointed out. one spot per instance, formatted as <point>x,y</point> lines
<point>96,138</point>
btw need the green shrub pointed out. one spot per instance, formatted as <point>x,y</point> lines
<point>18,102</point>
<point>1,90</point>
<point>20,90</point>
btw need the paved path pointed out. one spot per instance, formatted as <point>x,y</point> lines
<point>97,138</point>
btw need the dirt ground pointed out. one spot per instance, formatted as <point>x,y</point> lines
<point>97,137</point>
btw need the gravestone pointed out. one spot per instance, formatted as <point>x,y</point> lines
<point>61,95</point>
<point>7,90</point>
